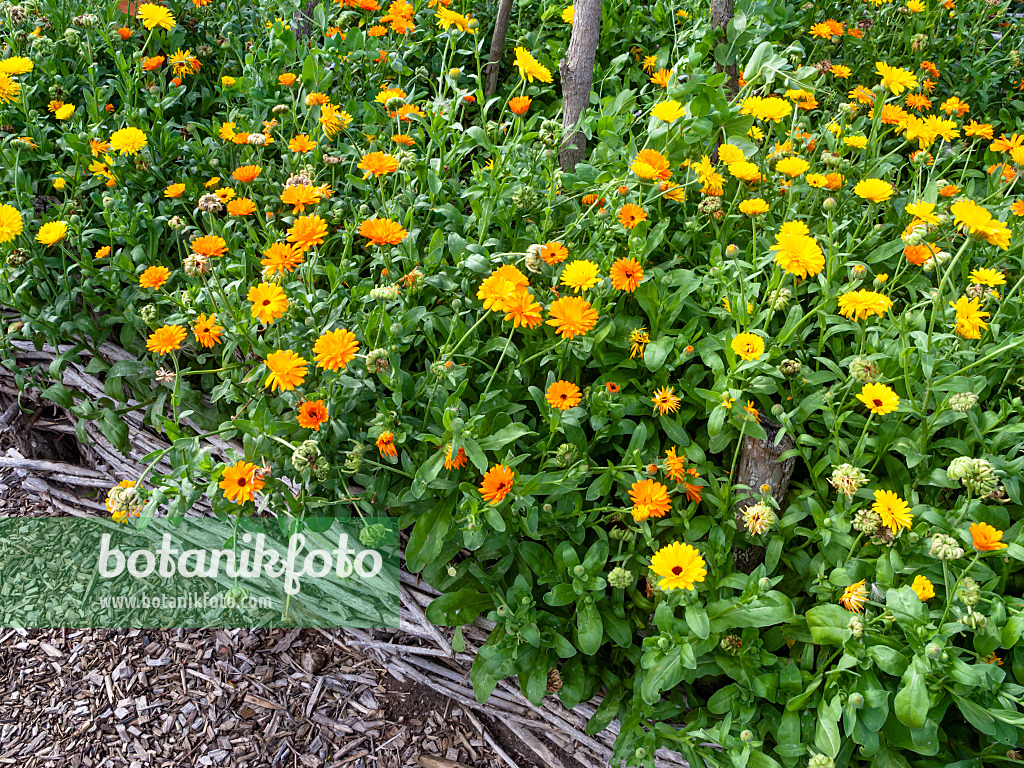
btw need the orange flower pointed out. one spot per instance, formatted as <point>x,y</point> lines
<point>286,79</point>
<point>124,33</point>
<point>626,275</point>
<point>519,105</point>
<point>554,253</point>
<point>496,483</point>
<point>206,330</point>
<point>312,414</point>
<point>404,139</point>
<point>287,370</point>
<point>246,173</point>
<point>335,349</point>
<point>243,206</point>
<point>209,246</point>
<point>281,257</point>
<point>630,215</point>
<point>301,143</point>
<point>378,164</point>
<point>241,482</point>
<point>154,277</point>
<point>307,231</point>
<point>650,499</point>
<point>612,388</point>
<point>153,62</point>
<point>563,395</point>
<point>572,316</point>
<point>986,538</point>
<point>299,196</point>
<point>166,339</point>
<point>383,231</point>
<point>458,462</point>
<point>918,255</point>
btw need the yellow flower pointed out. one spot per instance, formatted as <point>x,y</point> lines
<point>668,111</point>
<point>529,68</point>
<point>52,232</point>
<point>923,211</point>
<point>857,142</point>
<point>879,398</point>
<point>16,65</point>
<point>748,346</point>
<point>287,370</point>
<point>11,224</point>
<point>893,510</point>
<point>569,14</point>
<point>922,587</point>
<point>128,141</point>
<point>153,15</point>
<point>896,81</point>
<point>665,401</point>
<point>754,207</point>
<point>796,252</point>
<point>969,322</point>
<point>854,596</point>
<point>989,277</point>
<point>65,112</point>
<point>859,305</point>
<point>166,339</point>
<point>679,565</point>
<point>580,275</point>
<point>792,166</point>
<point>269,301</point>
<point>873,190</point>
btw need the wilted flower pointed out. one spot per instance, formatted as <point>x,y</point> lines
<point>961,402</point>
<point>848,479</point>
<point>976,475</point>
<point>945,547</point>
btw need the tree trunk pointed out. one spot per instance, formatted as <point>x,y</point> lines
<point>721,15</point>
<point>302,22</point>
<point>497,46</point>
<point>577,71</point>
<point>759,465</point>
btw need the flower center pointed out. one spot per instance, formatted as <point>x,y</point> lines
<point>878,403</point>
<point>242,482</point>
<point>676,570</point>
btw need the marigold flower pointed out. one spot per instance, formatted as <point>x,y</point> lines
<point>859,305</point>
<point>243,206</point>
<point>626,275</point>
<point>301,143</point>
<point>580,275</point>
<point>174,190</point>
<point>668,111</point>
<point>630,215</point>
<point>10,90</point>
<point>269,302</point>
<point>454,463</point>
<point>522,310</point>
<point>753,207</point>
<point>241,481</point>
<point>52,232</point>
<point>651,164</point>
<point>299,196</point>
<point>748,346</point>
<point>990,277</point>
<point>665,401</point>
<point>335,349</point>
<point>287,78</point>
<point>874,190</point>
<point>918,254</point>
<point>281,258</point>
<point>128,141</point>
<point>154,277</point>
<point>679,565</point>
<point>986,538</point>
<point>571,316</point>
<point>770,108</point>
<point>895,80</point>
<point>923,588</point>
<point>153,15</point>
<point>11,224</point>
<point>796,252</point>
<point>554,253</point>
<point>206,330</point>
<point>529,68</point>
<point>166,339</point>
<point>792,166</point>
<point>383,231</point>
<point>893,510</point>
<point>246,173</point>
<point>563,395</point>
<point>496,483</point>
<point>209,246</point>
<point>650,499</point>
<point>855,596</point>
<point>378,164</point>
<point>307,231</point>
<point>969,317</point>
<point>287,370</point>
<point>879,398</point>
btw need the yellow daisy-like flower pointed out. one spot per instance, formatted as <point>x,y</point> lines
<point>679,565</point>
<point>580,275</point>
<point>969,317</point>
<point>893,510</point>
<point>153,15</point>
<point>665,401</point>
<point>895,80</point>
<point>989,277</point>
<point>854,596</point>
<point>923,211</point>
<point>874,190</point>
<point>52,232</point>
<point>269,302</point>
<point>11,224</point>
<point>668,111</point>
<point>166,339</point>
<point>748,346</point>
<point>16,65</point>
<point>879,398</point>
<point>128,141</point>
<point>287,370</point>
<point>923,588</point>
<point>792,166</point>
<point>859,305</point>
<point>529,68</point>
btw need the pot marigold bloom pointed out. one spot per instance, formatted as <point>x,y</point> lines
<point>287,370</point>
<point>529,68</point>
<point>859,305</point>
<point>154,277</point>
<point>918,254</point>
<point>500,286</point>
<point>9,89</point>
<point>554,253</point>
<point>792,166</point>
<point>748,346</point>
<point>496,483</point>
<point>241,482</point>
<point>638,341</point>
<point>668,111</point>
<point>153,15</point>
<point>174,190</point>
<point>981,130</point>
<point>753,207</point>
<point>854,596</point>
<point>102,253</point>
<point>246,173</point>
<point>52,232</point>
<point>307,231</point>
<point>990,277</point>
<point>288,78</point>
<point>281,258</point>
<point>873,190</point>
<point>630,215</point>
<point>16,65</point>
<point>650,499</point>
<point>209,246</point>
<point>771,108</point>
<point>580,275</point>
<point>312,414</point>
<point>571,316</point>
<point>333,119</point>
<point>978,221</point>
<point>128,141</point>
<point>383,231</point>
<point>243,206</point>
<point>679,565</point>
<point>378,164</point>
<point>857,142</point>
<point>626,275</point>
<point>522,310</point>
<point>335,349</point>
<point>796,252</point>
<point>301,143</point>
<point>454,463</point>
<point>166,339</point>
<point>651,164</point>
<point>206,330</point>
<point>893,510</point>
<point>969,317</point>
<point>923,588</point>
<point>986,538</point>
<point>563,395</point>
<point>269,302</point>
<point>404,139</point>
<point>923,211</point>
<point>153,62</point>
<point>665,400</point>
<point>662,77</point>
<point>879,398</point>
<point>11,224</point>
<point>895,80</point>
<point>299,196</point>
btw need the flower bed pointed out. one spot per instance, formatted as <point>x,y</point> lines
<point>378,280</point>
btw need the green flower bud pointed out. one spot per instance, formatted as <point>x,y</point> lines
<point>933,651</point>
<point>790,367</point>
<point>372,535</point>
<point>821,761</point>
<point>962,402</point>
<point>731,644</point>
<point>620,578</point>
<point>856,700</point>
<point>746,736</point>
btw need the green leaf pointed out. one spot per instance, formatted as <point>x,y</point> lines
<point>697,620</point>
<point>826,735</point>
<point>911,702</point>
<point>589,628</point>
<point>888,659</point>
<point>503,437</point>
<point>59,394</point>
<point>829,624</point>
<point>666,673</point>
<point>656,352</point>
<point>455,608</point>
<point>427,536</point>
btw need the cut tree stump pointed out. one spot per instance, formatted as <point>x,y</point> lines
<point>759,465</point>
